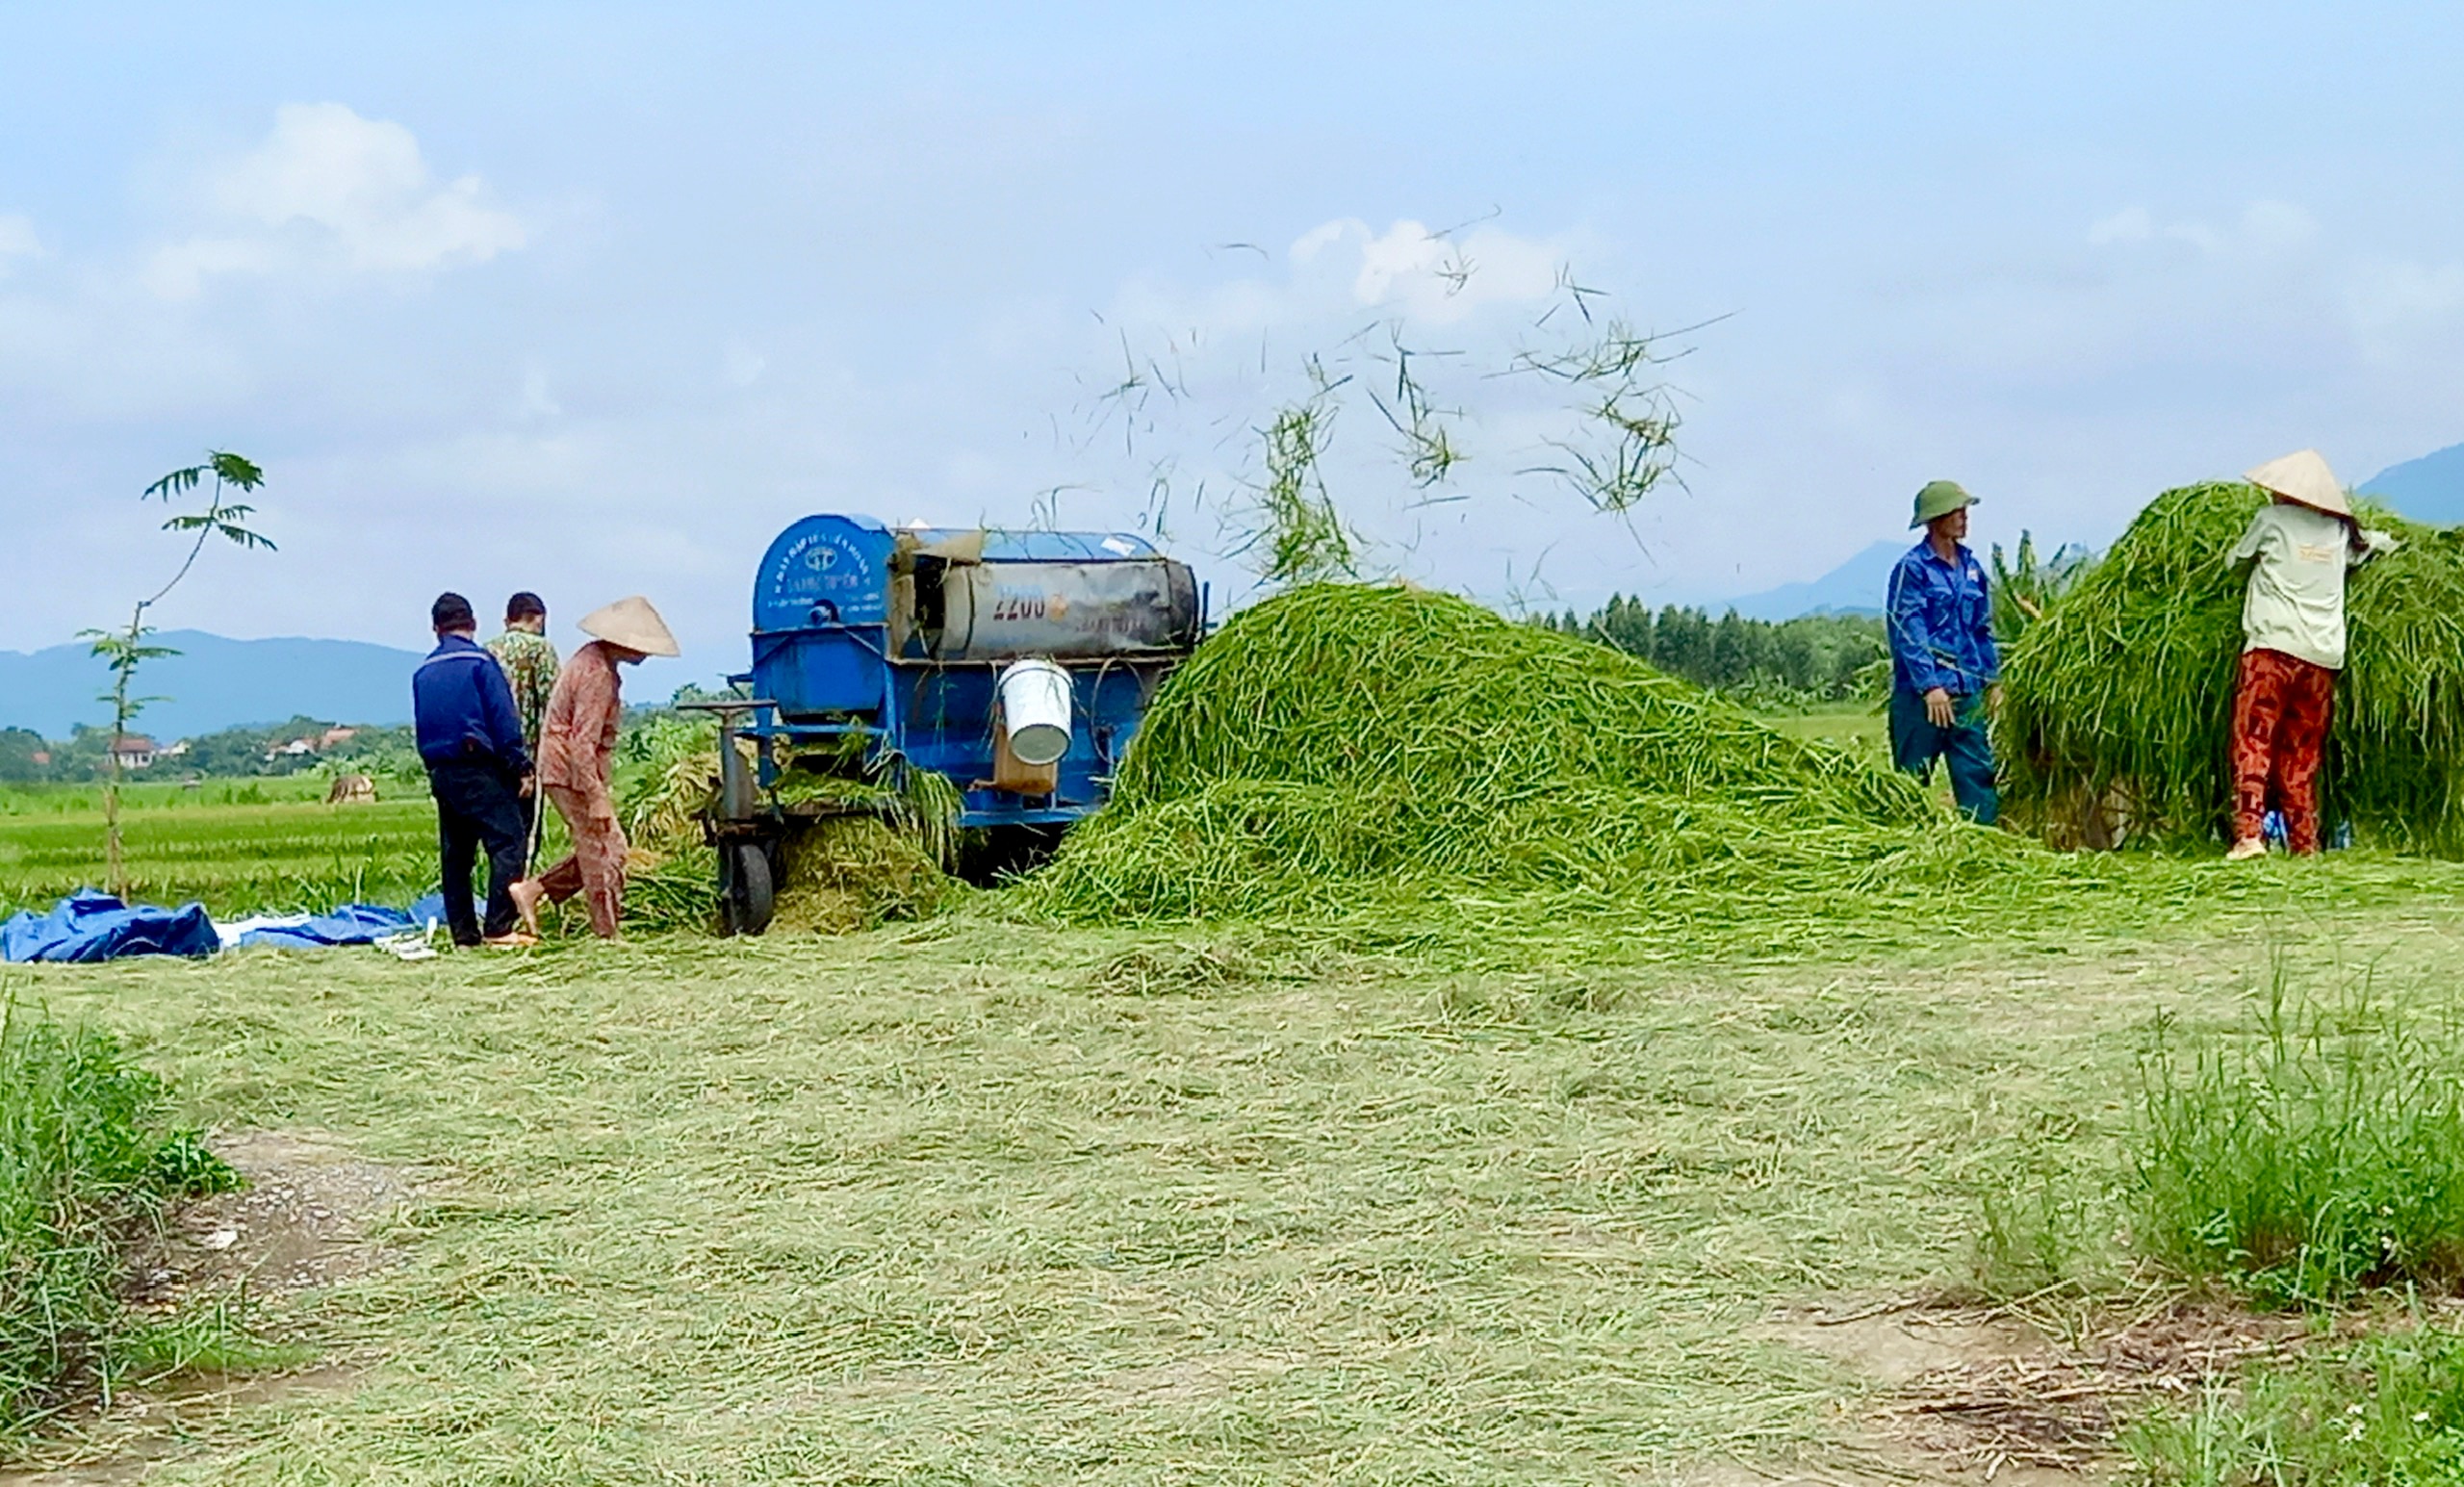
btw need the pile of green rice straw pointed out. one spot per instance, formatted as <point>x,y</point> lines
<point>883,854</point>
<point>2124,691</point>
<point>1340,743</point>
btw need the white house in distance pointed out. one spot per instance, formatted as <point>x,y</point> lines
<point>133,751</point>
<point>308,744</point>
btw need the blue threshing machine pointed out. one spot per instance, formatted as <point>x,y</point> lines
<point>914,648</point>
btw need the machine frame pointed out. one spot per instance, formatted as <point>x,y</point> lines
<point>829,625</point>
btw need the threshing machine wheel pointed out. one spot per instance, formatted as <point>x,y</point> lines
<point>745,895</point>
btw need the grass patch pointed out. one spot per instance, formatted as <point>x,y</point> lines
<point>2315,1155</point>
<point>1488,1196</point>
<point>2388,1412</point>
<point>1340,741</point>
<point>50,798</point>
<point>886,857</point>
<point>2043,1233</point>
<point>2305,1157</point>
<point>88,1159</point>
<point>1417,775</point>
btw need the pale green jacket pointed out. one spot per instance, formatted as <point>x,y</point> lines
<point>2295,601</point>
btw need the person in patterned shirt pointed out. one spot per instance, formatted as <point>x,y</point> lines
<point>575,758</point>
<point>529,661</point>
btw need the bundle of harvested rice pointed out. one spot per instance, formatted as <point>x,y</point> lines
<point>2119,703</point>
<point>882,850</point>
<point>847,873</point>
<point>1339,736</point>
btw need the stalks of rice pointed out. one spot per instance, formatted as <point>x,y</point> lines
<point>2124,692</point>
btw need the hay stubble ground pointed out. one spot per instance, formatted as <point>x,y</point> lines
<point>984,1203</point>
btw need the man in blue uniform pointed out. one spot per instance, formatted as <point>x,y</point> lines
<point>1945,674</point>
<point>470,737</point>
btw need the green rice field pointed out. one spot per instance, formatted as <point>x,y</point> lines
<point>237,847</point>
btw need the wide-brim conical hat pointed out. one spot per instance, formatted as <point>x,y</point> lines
<point>630,623</point>
<point>2305,477</point>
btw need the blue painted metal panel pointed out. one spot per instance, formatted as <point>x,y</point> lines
<point>940,718</point>
<point>821,610</point>
<point>825,570</point>
<point>815,672</point>
<point>821,616</point>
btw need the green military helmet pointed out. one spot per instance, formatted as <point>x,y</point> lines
<point>1939,498</point>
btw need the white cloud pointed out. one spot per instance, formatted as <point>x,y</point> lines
<point>2277,224</point>
<point>2132,224</point>
<point>743,366</point>
<point>2199,235</point>
<point>538,398</point>
<point>1333,275</point>
<point>1436,277</point>
<point>2390,297</point>
<point>18,239</point>
<point>178,270</point>
<point>2265,228</point>
<point>330,188</point>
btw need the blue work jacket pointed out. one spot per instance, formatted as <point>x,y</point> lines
<point>1941,624</point>
<point>464,709</point>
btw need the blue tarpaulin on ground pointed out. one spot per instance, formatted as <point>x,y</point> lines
<point>91,926</point>
<point>353,924</point>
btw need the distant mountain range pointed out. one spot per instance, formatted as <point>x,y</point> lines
<point>212,684</point>
<point>2428,489</point>
<point>1854,588</point>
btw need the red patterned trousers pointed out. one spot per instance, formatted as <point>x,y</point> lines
<point>596,869</point>
<point>2280,717</point>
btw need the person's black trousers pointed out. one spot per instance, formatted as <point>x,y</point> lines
<point>478,807</point>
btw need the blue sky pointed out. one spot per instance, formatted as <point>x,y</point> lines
<point>594,299</point>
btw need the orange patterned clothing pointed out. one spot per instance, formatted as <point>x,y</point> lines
<point>579,737</point>
<point>596,869</point>
<point>2281,713</point>
<point>576,746</point>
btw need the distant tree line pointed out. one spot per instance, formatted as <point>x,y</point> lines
<point>255,751</point>
<point>1817,657</point>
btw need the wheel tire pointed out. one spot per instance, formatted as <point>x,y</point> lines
<point>745,895</point>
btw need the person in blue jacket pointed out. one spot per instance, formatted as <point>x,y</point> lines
<point>1946,676</point>
<point>470,739</point>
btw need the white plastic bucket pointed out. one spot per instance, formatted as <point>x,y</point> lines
<point>1035,706</point>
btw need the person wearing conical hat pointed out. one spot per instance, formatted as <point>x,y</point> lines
<point>1946,674</point>
<point>2300,546</point>
<point>577,747</point>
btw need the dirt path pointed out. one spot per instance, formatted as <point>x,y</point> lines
<point>309,1218</point>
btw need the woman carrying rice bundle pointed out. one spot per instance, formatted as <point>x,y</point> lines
<point>2292,628</point>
